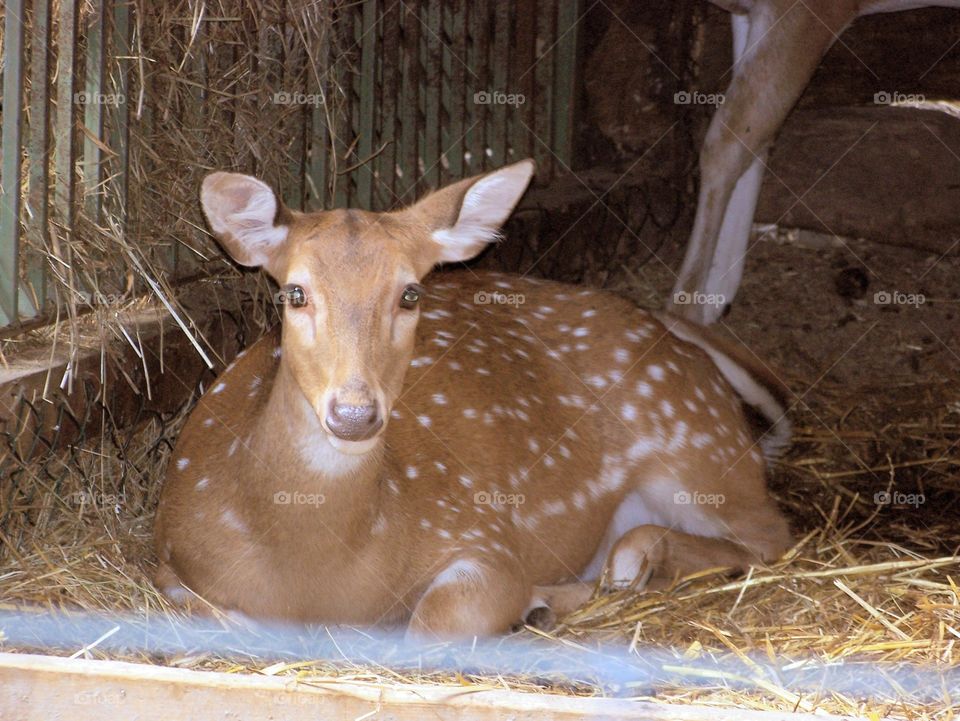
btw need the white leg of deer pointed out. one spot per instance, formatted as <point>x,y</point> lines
<point>781,54</point>
<point>471,597</point>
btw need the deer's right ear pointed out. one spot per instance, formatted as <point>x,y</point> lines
<point>243,215</point>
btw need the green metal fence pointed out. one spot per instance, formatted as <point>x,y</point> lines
<point>400,97</point>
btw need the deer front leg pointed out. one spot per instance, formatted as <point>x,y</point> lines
<point>776,57</point>
<point>471,597</point>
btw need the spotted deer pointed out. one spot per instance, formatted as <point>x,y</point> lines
<point>450,452</point>
<point>777,46</point>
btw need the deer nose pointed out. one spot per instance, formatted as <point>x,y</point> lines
<point>353,422</point>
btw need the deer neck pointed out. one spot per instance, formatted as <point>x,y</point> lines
<point>290,435</point>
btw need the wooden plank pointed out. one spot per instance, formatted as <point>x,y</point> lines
<point>497,131</point>
<point>479,60</point>
<point>46,687</point>
<point>390,69</point>
<point>347,27</point>
<point>544,73</point>
<point>368,104</point>
<point>457,91</point>
<point>63,136</point>
<point>31,401</point>
<point>12,162</point>
<point>120,130</point>
<point>292,54</point>
<point>95,98</point>
<point>39,149</point>
<point>523,70</point>
<point>410,101</point>
<point>318,173</point>
<point>432,81</point>
<point>566,79</point>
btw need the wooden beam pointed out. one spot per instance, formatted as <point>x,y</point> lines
<point>40,417</point>
<point>49,687</point>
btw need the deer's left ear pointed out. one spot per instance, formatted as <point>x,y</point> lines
<point>464,217</point>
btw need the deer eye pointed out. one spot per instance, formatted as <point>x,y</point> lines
<point>410,297</point>
<point>295,296</point>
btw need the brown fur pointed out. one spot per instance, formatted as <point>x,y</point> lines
<point>514,435</point>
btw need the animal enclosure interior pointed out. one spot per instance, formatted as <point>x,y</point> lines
<point>119,310</point>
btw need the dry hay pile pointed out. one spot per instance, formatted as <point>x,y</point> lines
<point>870,584</point>
<point>197,87</point>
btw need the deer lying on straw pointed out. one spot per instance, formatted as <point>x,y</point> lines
<point>453,452</point>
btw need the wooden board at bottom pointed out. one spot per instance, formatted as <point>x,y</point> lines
<point>51,688</point>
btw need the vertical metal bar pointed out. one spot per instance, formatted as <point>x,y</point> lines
<point>544,73</point>
<point>94,99</point>
<point>39,199</point>
<point>458,91</point>
<point>497,129</point>
<point>566,79</point>
<point>12,160</point>
<point>410,103</point>
<point>432,109</point>
<point>368,88</point>
<point>390,67</point>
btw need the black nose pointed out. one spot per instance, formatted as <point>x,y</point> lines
<point>353,423</point>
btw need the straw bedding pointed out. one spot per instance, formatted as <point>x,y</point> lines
<point>871,581</point>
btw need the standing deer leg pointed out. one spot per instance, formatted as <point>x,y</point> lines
<point>778,56</point>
